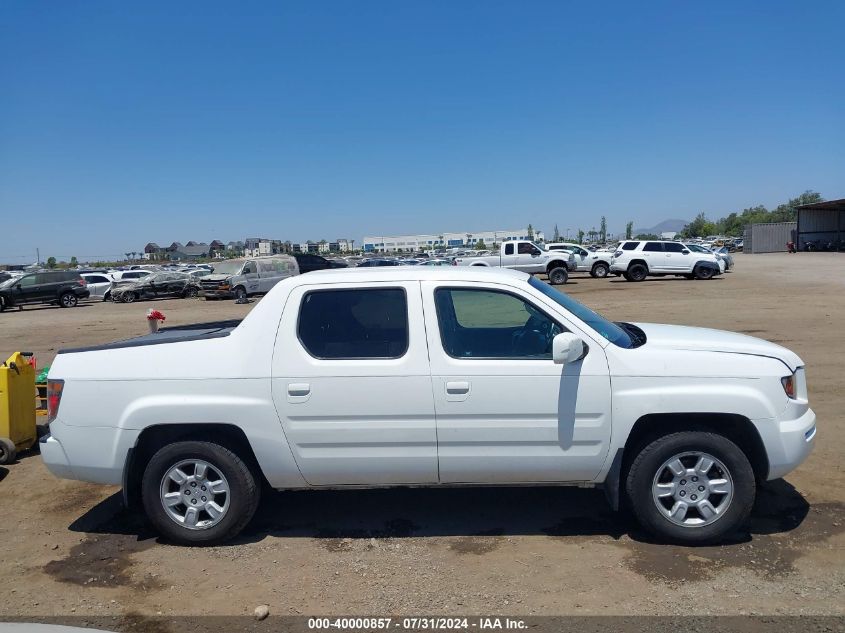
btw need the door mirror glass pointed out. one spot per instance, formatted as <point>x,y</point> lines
<point>685,252</point>
<point>567,348</point>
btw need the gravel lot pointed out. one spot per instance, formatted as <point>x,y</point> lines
<point>69,548</point>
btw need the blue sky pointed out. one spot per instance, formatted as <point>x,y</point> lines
<point>126,123</point>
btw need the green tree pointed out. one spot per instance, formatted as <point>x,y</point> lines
<point>580,236</point>
<point>530,233</point>
<point>647,236</point>
<point>629,230</point>
<point>556,236</point>
<point>603,229</point>
<point>51,262</point>
<point>73,262</point>
<point>699,227</point>
<point>480,246</point>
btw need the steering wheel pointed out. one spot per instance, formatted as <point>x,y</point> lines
<point>535,337</point>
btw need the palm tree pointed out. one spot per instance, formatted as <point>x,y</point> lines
<point>127,256</point>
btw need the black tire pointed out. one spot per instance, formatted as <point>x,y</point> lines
<point>647,466</point>
<point>703,272</point>
<point>68,300</point>
<point>600,270</point>
<point>558,276</point>
<point>240,293</point>
<point>637,272</point>
<point>107,296</point>
<point>244,491</point>
<point>190,293</point>
<point>129,297</point>
<point>7,451</point>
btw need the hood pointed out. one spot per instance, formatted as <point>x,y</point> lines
<point>213,277</point>
<point>680,337</point>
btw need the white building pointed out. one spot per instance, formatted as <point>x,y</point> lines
<point>394,243</point>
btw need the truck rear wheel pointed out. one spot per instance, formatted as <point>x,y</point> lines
<point>558,276</point>
<point>199,493</point>
<point>600,270</point>
<point>691,487</point>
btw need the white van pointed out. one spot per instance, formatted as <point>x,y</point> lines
<point>240,278</point>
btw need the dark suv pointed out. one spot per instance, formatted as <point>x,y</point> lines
<point>307,263</point>
<point>63,287</point>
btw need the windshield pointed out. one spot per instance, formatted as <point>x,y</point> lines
<point>228,268</point>
<point>607,329</point>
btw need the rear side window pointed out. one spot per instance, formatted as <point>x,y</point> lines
<point>508,249</point>
<point>653,246</point>
<point>350,324</point>
<point>630,246</point>
<point>96,279</point>
<point>673,247</point>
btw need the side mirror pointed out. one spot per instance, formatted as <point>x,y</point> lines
<point>567,348</point>
<point>685,252</point>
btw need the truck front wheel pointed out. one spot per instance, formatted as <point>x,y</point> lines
<point>691,487</point>
<point>558,276</point>
<point>198,493</point>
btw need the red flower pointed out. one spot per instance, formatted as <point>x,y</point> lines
<point>155,315</point>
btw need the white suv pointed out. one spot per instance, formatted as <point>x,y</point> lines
<point>635,260</point>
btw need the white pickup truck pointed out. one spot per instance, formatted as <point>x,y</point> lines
<point>429,376</point>
<point>597,263</point>
<point>527,257</point>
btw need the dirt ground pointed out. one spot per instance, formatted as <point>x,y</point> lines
<point>68,548</point>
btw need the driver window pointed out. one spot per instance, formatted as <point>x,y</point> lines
<point>249,268</point>
<point>477,323</point>
<point>29,280</point>
<point>524,248</point>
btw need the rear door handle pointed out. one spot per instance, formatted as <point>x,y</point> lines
<point>457,387</point>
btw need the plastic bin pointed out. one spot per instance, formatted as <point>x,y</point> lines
<point>17,405</point>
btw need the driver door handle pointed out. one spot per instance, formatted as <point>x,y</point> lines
<point>457,387</point>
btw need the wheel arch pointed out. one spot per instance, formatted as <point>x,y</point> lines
<point>155,437</point>
<point>556,263</point>
<point>737,428</point>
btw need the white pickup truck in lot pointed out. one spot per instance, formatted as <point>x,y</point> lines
<point>597,263</point>
<point>431,376</point>
<point>527,257</point>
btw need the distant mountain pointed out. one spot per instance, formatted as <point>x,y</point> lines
<point>664,227</point>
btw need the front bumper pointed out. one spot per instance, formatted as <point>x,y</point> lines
<point>788,442</point>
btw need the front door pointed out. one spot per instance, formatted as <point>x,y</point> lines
<point>527,256</point>
<point>505,412</point>
<point>677,257</point>
<point>352,385</point>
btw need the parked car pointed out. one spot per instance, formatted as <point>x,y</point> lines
<point>308,263</point>
<point>155,286</point>
<point>635,260</point>
<point>597,263</point>
<point>121,275</point>
<point>645,410</point>
<point>99,284</point>
<point>526,257</point>
<point>437,262</point>
<point>62,287</point>
<point>245,277</point>
<point>376,261</point>
<point>722,254</point>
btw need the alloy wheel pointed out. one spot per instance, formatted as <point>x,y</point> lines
<point>692,489</point>
<point>195,494</point>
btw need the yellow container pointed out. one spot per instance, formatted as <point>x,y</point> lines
<point>17,406</point>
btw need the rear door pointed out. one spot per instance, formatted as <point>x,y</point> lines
<point>352,384</point>
<point>654,256</point>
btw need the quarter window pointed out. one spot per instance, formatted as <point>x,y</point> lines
<point>477,323</point>
<point>349,324</point>
<point>630,246</point>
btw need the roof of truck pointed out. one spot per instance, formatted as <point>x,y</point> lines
<point>410,273</point>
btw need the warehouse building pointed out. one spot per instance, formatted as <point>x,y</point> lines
<point>395,243</point>
<point>821,226</point>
